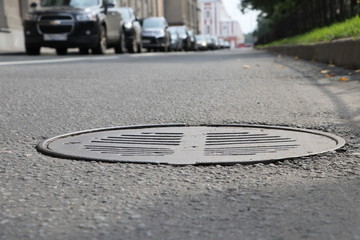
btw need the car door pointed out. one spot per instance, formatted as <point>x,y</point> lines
<point>137,26</point>
<point>113,20</point>
<point>167,33</point>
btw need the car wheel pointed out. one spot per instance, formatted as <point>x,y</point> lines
<point>140,47</point>
<point>61,51</point>
<point>121,46</point>
<point>167,46</point>
<point>187,47</point>
<point>84,51</point>
<point>32,50</point>
<point>102,44</point>
<point>132,46</point>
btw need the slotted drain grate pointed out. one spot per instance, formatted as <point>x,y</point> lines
<point>181,144</point>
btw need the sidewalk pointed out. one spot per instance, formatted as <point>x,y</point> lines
<point>343,52</point>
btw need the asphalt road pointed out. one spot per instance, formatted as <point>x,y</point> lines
<point>43,197</point>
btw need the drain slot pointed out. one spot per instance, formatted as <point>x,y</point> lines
<point>130,151</point>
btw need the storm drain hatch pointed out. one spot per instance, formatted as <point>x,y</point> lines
<point>181,144</point>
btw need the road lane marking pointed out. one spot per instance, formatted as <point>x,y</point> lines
<point>62,60</point>
<point>151,54</point>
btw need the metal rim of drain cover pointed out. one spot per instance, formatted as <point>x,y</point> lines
<point>180,144</point>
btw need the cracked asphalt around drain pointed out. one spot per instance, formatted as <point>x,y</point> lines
<point>42,197</point>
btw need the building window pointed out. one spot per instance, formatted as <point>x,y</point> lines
<point>225,30</point>
<point>208,14</point>
<point>208,29</point>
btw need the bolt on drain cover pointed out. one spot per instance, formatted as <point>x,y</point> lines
<point>181,144</point>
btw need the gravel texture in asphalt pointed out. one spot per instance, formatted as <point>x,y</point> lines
<point>42,197</point>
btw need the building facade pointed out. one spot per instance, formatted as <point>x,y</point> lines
<point>183,12</point>
<point>11,15</point>
<point>145,8</point>
<point>216,21</point>
<point>177,12</point>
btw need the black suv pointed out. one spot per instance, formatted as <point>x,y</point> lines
<point>83,24</point>
<point>132,29</point>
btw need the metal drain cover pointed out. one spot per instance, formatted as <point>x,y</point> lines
<point>181,144</point>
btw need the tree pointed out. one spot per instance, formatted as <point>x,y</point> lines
<point>270,7</point>
<point>285,18</point>
<point>272,11</point>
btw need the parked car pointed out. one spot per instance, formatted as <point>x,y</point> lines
<point>213,43</point>
<point>155,35</point>
<point>83,24</point>
<point>176,41</point>
<point>221,43</point>
<point>183,32</point>
<point>202,42</point>
<point>132,30</point>
<point>193,45</point>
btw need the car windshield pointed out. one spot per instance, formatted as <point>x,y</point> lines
<point>201,38</point>
<point>181,30</point>
<point>125,14</point>
<point>153,23</point>
<point>172,30</point>
<point>70,3</point>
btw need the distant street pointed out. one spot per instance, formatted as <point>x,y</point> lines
<point>43,197</point>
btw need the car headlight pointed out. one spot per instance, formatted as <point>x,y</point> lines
<point>128,25</point>
<point>86,17</point>
<point>31,17</point>
<point>160,33</point>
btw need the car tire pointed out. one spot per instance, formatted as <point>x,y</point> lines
<point>187,47</point>
<point>32,50</point>
<point>132,46</point>
<point>140,47</point>
<point>102,43</point>
<point>165,49</point>
<point>121,46</point>
<point>61,51</point>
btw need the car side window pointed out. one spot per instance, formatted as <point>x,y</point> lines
<point>112,2</point>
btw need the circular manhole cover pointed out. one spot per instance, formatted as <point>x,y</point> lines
<point>181,144</point>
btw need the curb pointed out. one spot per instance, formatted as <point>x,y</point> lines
<point>342,52</point>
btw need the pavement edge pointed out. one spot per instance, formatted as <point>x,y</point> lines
<point>342,52</point>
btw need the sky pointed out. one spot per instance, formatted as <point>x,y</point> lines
<point>247,21</point>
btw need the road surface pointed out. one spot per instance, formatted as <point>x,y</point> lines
<point>43,197</point>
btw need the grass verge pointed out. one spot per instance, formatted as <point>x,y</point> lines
<point>347,29</point>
